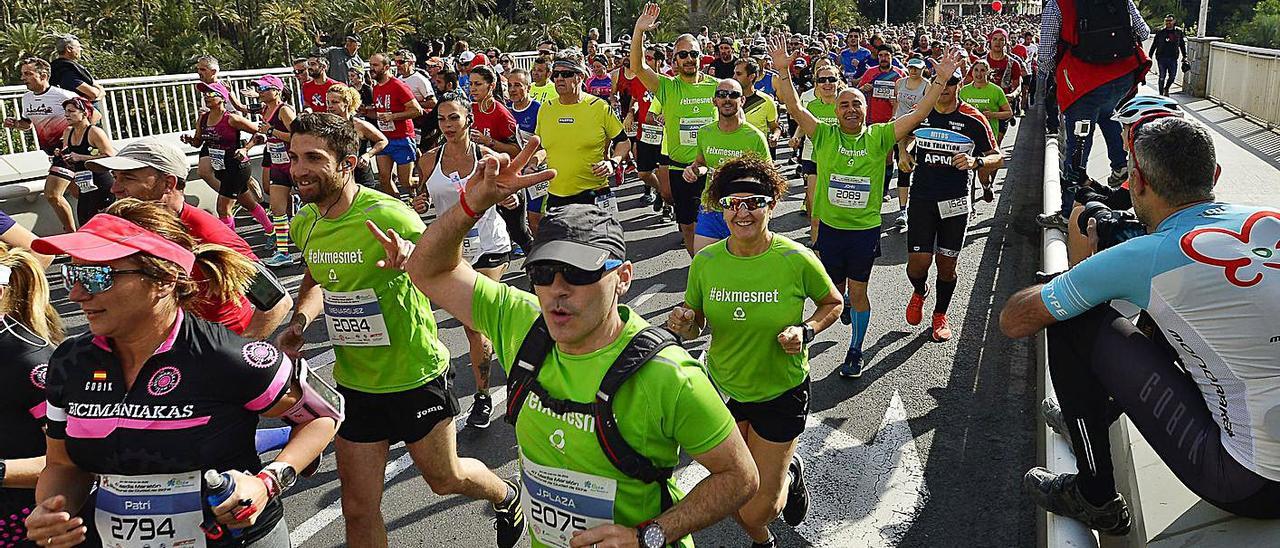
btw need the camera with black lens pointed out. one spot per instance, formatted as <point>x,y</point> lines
<point>1113,226</point>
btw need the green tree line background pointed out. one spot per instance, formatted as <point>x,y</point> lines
<point>148,37</point>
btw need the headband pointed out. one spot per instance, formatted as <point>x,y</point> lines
<point>748,185</point>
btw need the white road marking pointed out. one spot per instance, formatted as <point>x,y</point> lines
<point>646,295</point>
<point>328,514</point>
<point>859,494</point>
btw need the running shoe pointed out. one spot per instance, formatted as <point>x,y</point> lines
<point>481,413</point>
<point>280,259</point>
<point>1052,413</point>
<point>1118,175</point>
<point>657,203</point>
<point>1052,220</point>
<point>649,195</point>
<point>852,366</point>
<point>901,221</point>
<point>509,519</point>
<point>668,212</point>
<point>987,194</point>
<point>797,505</point>
<point>941,331</point>
<point>517,251</point>
<point>915,309</point>
<point>1060,494</point>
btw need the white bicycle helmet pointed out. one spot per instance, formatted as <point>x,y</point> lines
<point>1143,105</point>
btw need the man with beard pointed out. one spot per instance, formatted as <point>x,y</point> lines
<point>722,67</point>
<point>317,87</point>
<point>389,363</point>
<point>394,109</point>
<point>686,107</point>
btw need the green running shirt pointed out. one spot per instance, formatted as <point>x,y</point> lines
<point>685,109</point>
<point>718,147</point>
<point>850,183</point>
<point>382,330</point>
<point>988,98</point>
<point>669,404</point>
<point>748,301</point>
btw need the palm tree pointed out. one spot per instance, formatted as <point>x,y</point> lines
<point>215,15</point>
<point>384,17</point>
<point>17,42</point>
<point>283,20</point>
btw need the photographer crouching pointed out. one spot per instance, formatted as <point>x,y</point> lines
<point>1202,385</point>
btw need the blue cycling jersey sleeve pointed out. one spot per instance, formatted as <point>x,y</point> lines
<point>1120,272</point>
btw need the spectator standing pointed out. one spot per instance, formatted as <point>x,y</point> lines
<point>340,58</point>
<point>1168,43</point>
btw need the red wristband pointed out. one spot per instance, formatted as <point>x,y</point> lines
<point>462,201</point>
<point>273,489</point>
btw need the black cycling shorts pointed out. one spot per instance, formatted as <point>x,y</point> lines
<point>847,254</point>
<point>928,232</point>
<point>234,180</point>
<point>686,197</point>
<point>406,416</point>
<point>1102,365</point>
<point>647,156</point>
<point>808,167</point>
<point>279,175</point>
<point>778,420</point>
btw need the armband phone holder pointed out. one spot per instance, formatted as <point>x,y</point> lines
<point>319,398</point>
<point>265,291</point>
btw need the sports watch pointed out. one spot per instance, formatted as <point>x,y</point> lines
<point>808,333</point>
<point>651,535</point>
<point>282,474</point>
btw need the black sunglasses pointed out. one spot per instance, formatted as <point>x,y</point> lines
<point>686,54</point>
<point>564,74</point>
<point>827,80</point>
<point>728,94</point>
<point>544,273</point>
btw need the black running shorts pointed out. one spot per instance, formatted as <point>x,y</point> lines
<point>406,416</point>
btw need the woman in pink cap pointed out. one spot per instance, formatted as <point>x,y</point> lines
<point>274,130</point>
<point>219,129</point>
<point>157,407</point>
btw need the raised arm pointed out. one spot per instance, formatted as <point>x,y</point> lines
<point>647,21</point>
<point>806,122</point>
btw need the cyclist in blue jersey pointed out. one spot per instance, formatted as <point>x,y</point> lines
<point>1201,382</point>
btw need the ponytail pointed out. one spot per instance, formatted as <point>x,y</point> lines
<point>227,275</point>
<point>26,297</point>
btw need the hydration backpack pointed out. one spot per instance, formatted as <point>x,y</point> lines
<point>523,380</point>
<point>1104,31</point>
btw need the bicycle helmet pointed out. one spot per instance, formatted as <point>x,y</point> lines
<point>1144,105</point>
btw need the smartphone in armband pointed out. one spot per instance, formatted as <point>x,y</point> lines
<point>265,291</point>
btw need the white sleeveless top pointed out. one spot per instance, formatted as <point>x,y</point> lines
<point>489,235</point>
<point>908,98</point>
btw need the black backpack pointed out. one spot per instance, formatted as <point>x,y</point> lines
<point>1104,31</point>
<point>523,380</point>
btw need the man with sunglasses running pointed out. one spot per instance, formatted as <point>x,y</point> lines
<point>729,137</point>
<point>388,360</point>
<point>579,273</point>
<point>686,108</point>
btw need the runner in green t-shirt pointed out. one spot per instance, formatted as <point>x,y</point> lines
<point>578,271</point>
<point>388,362</point>
<point>850,159</point>
<point>751,288</point>
<point>686,102</point>
<point>762,110</point>
<point>991,101</point>
<point>730,136</point>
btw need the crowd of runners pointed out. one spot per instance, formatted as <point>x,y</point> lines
<point>143,431</point>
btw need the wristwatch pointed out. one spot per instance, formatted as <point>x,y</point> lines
<point>978,164</point>
<point>282,474</point>
<point>808,333</point>
<point>651,535</point>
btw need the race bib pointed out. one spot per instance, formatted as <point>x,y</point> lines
<point>849,191</point>
<point>953,208</point>
<point>354,318</point>
<point>149,511</point>
<point>883,89</point>
<point>279,156</point>
<point>558,502</point>
<point>539,190</point>
<point>84,180</point>
<point>218,159</point>
<point>471,245</point>
<point>386,125</point>
<point>689,130</point>
<point>606,202</point>
<point>652,135</point>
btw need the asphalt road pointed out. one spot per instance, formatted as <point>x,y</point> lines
<point>927,448</point>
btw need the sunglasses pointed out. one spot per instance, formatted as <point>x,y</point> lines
<point>686,54</point>
<point>728,94</point>
<point>564,74</point>
<point>213,94</point>
<point>545,273</point>
<point>267,88</point>
<point>752,203</point>
<point>299,71</point>
<point>827,80</point>
<point>95,279</point>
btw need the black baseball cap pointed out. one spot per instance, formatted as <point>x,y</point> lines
<point>579,235</point>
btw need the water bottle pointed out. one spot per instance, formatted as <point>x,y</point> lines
<point>218,487</point>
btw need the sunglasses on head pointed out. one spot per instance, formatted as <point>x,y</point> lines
<point>95,278</point>
<point>752,203</point>
<point>827,80</point>
<point>728,94</point>
<point>545,273</point>
<point>564,74</point>
<point>685,54</point>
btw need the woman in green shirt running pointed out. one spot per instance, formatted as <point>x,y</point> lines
<point>751,289</point>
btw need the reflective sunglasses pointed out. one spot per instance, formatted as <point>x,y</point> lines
<point>752,203</point>
<point>564,74</point>
<point>685,54</point>
<point>728,94</point>
<point>545,273</point>
<point>827,80</point>
<point>95,278</point>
